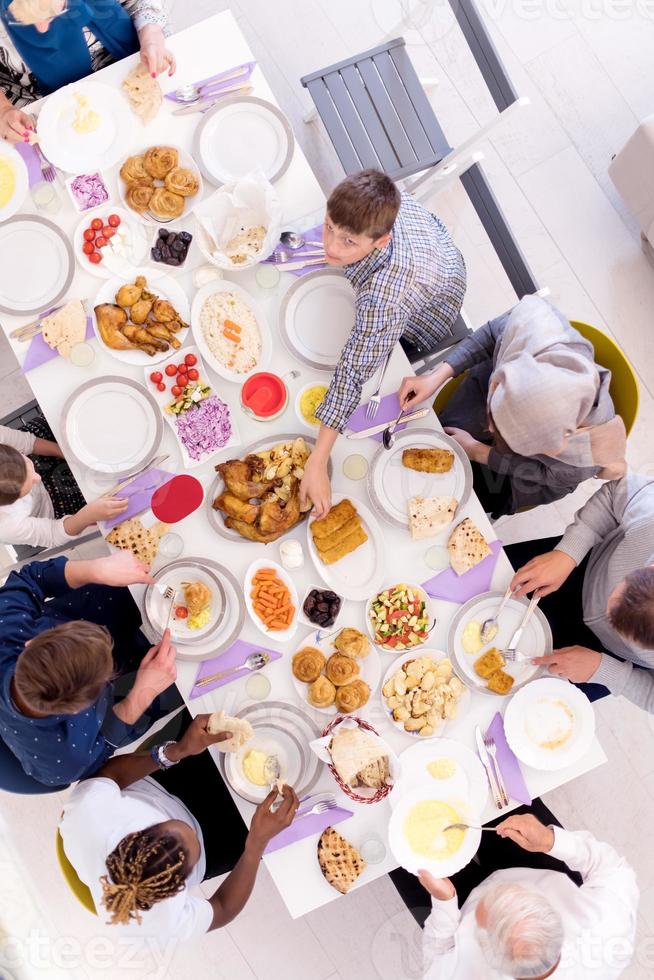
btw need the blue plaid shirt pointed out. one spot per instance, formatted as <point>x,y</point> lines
<point>412,288</point>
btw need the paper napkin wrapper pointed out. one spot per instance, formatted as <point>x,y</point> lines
<point>245,203</point>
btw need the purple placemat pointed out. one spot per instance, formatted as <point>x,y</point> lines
<point>32,162</point>
<point>217,86</point>
<point>307,826</point>
<point>294,255</point>
<point>459,588</point>
<point>388,411</point>
<point>237,653</point>
<point>38,351</point>
<point>139,493</point>
<point>508,763</point>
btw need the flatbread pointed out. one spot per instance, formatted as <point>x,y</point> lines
<point>340,863</point>
<point>65,327</point>
<point>143,93</point>
<point>467,547</point>
<point>352,750</point>
<point>241,730</point>
<point>429,515</point>
<point>132,535</point>
<point>246,244</point>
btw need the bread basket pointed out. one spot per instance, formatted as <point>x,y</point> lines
<point>379,794</point>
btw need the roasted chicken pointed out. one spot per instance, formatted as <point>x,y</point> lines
<point>244,477</point>
<point>251,531</point>
<point>111,319</point>
<point>141,337</point>
<point>140,310</point>
<point>132,323</point>
<point>276,517</point>
<point>243,510</point>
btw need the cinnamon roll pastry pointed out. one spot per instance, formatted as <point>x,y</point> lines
<point>308,664</point>
<point>341,670</point>
<point>352,696</point>
<point>133,169</point>
<point>160,160</point>
<point>352,643</point>
<point>321,693</point>
<point>164,204</point>
<point>138,195</point>
<point>181,180</point>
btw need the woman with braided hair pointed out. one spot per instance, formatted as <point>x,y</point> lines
<point>142,843</point>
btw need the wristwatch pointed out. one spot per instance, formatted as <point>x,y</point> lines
<point>158,755</point>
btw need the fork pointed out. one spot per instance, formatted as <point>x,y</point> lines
<point>373,405</point>
<point>469,826</point>
<point>279,258</point>
<point>491,748</point>
<point>169,593</point>
<point>48,172</point>
<point>320,807</point>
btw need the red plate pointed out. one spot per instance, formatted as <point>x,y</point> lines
<point>177,499</point>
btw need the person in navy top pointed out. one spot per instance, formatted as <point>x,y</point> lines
<point>68,629</point>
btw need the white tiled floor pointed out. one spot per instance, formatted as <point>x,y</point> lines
<point>590,81</point>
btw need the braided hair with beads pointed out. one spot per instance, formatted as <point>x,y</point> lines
<point>144,868</point>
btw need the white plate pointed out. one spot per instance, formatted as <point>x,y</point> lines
<point>407,857</point>
<point>165,288</point>
<point>536,640</point>
<point>185,570</point>
<point>369,669</point>
<point>79,153</point>
<point>418,590</point>
<point>224,286</point>
<point>21,181</point>
<point>184,160</point>
<point>280,635</point>
<point>463,702</point>
<point>360,573</point>
<point>37,264</point>
<point>112,265</point>
<point>316,318</point>
<point>111,425</point>
<point>242,134</point>
<point>164,398</point>
<point>390,484</point>
<point>533,715</point>
<point>217,518</point>
<point>414,772</point>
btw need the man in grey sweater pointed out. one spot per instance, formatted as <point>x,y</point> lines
<point>600,576</point>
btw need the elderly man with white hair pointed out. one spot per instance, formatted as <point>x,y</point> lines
<point>530,923</point>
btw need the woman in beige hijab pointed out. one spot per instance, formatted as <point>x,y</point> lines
<point>533,414</point>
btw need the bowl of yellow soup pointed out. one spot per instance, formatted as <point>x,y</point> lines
<point>418,834</point>
<point>307,401</point>
<point>13,181</point>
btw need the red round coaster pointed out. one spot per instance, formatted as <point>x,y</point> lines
<point>177,499</point>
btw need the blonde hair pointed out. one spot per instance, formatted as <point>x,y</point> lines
<point>34,11</point>
<point>144,868</point>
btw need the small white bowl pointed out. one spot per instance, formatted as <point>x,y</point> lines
<point>298,411</point>
<point>76,204</point>
<point>304,619</point>
<point>280,635</point>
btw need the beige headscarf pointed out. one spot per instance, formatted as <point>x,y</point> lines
<point>547,396</point>
<point>33,11</point>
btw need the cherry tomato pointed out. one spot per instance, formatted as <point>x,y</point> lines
<point>108,232</point>
<point>182,380</point>
<point>181,612</point>
<point>176,391</point>
<point>156,377</point>
<point>161,386</point>
<point>88,248</point>
<point>89,235</point>
<point>193,374</point>
<point>171,369</point>
<point>190,360</point>
<point>96,224</point>
<point>113,220</point>
<point>95,258</point>
<point>100,242</point>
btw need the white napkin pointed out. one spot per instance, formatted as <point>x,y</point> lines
<point>248,202</point>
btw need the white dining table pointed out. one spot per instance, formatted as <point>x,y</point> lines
<point>210,46</point>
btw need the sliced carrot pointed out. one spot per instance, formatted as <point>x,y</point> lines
<point>230,325</point>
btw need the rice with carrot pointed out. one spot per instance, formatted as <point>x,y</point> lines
<point>231,331</point>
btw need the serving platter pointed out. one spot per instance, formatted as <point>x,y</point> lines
<point>361,573</point>
<point>391,484</point>
<point>212,359</point>
<point>111,425</point>
<point>28,286</point>
<point>184,160</point>
<point>536,640</point>
<point>463,703</point>
<point>10,157</point>
<point>369,669</point>
<point>550,724</point>
<point>241,134</point>
<point>414,772</point>
<point>174,575</point>
<point>113,265</point>
<point>316,317</point>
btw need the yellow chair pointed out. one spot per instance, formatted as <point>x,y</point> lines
<point>81,891</point>
<point>624,383</point>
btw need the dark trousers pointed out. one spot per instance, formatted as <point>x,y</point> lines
<point>494,854</point>
<point>197,782</point>
<point>562,608</point>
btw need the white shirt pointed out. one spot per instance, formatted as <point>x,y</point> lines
<point>599,919</point>
<point>97,815</point>
<point>30,519</point>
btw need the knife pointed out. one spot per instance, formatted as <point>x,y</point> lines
<point>374,429</point>
<point>487,763</point>
<point>157,461</point>
<point>515,639</point>
<point>211,100</point>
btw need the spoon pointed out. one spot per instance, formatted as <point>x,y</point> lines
<point>291,239</point>
<point>485,633</point>
<point>388,437</point>
<point>254,662</point>
<point>205,90</point>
